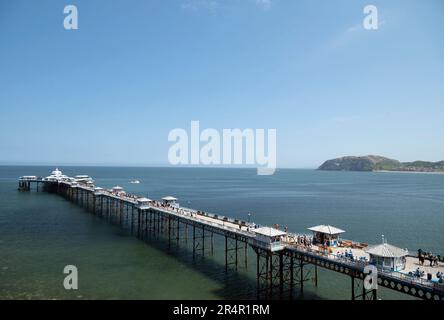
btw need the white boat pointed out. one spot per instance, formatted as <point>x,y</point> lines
<point>135,181</point>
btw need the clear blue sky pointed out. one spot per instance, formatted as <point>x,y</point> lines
<point>110,92</point>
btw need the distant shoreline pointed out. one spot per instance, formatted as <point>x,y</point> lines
<point>377,163</point>
<point>406,171</point>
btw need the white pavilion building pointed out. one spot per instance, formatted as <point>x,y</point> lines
<point>387,256</point>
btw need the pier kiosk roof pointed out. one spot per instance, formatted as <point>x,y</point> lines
<point>386,256</point>
<point>144,200</point>
<point>269,232</point>
<point>169,198</point>
<point>386,250</point>
<point>118,190</point>
<point>98,191</point>
<point>326,229</point>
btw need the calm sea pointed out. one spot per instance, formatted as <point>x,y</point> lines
<point>41,233</point>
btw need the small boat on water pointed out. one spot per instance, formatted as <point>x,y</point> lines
<point>135,181</point>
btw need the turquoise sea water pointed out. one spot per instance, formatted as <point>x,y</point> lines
<point>41,233</point>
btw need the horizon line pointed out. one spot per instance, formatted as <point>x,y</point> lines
<point>143,166</point>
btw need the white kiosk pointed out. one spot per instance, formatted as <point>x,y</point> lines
<point>326,235</point>
<point>387,256</point>
<point>171,201</point>
<point>270,238</point>
<point>83,178</point>
<point>118,190</point>
<point>144,203</point>
<point>98,191</point>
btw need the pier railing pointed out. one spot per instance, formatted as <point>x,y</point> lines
<point>187,215</point>
<point>360,265</point>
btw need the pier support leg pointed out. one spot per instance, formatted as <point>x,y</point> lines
<point>169,232</point>
<point>316,275</point>
<point>138,223</point>
<point>353,288</point>
<point>194,241</point>
<point>203,240</point>
<point>120,212</point>
<point>291,275</point>
<point>212,243</point>
<point>147,226</point>
<point>226,254</point>
<point>231,250</point>
<point>246,256</point>
<point>266,272</point>
<point>152,222</point>
<point>177,231</point>
<point>132,219</point>
<point>199,240</point>
<point>301,270</point>
<point>233,247</point>
<point>358,289</point>
<point>363,293</point>
<point>158,224</point>
<point>281,274</point>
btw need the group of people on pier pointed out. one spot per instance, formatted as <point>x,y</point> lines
<point>304,241</point>
<point>434,259</point>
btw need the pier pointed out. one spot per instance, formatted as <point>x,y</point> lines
<point>285,261</point>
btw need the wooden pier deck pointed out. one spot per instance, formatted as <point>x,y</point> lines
<point>282,264</point>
